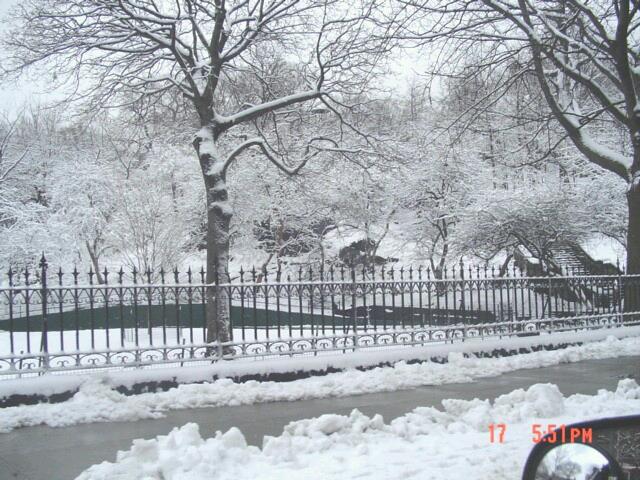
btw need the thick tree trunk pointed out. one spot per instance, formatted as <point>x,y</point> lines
<point>218,222</point>
<point>633,233</point>
<point>632,290</point>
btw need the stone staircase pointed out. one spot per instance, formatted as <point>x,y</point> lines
<point>573,260</point>
<point>569,259</point>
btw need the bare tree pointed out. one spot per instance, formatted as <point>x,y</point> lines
<point>584,55</point>
<point>116,51</point>
<point>8,165</point>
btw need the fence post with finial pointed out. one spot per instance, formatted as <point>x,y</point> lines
<point>461,309</point>
<point>190,300</point>
<point>163,304</point>
<point>278,293</point>
<point>383,291</point>
<point>120,274</point>
<point>265,292</point>
<point>402,302</point>
<point>27,307</point>
<point>420,292</point>
<point>321,291</point>
<point>203,302</point>
<point>149,306</point>
<point>462,288</point>
<point>242,301</point>
<point>107,321</point>
<point>312,320</point>
<point>44,343</point>
<point>216,299</point>
<point>61,308</point>
<point>354,307</point>
<point>76,310</point>
<point>11,326</point>
<point>620,293</point>
<point>136,321</point>
<point>176,294</point>
<point>254,294</point>
<point>289,317</point>
<point>332,291</point>
<point>411,306</point>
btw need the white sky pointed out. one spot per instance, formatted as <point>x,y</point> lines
<point>13,97</point>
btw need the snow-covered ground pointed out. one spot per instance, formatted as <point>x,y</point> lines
<point>206,371</point>
<point>97,401</point>
<point>606,249</point>
<point>428,443</point>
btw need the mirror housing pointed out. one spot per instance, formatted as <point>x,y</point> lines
<point>616,440</point>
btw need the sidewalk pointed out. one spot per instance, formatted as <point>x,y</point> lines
<point>62,453</point>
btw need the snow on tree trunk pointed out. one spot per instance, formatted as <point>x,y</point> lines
<point>632,295</point>
<point>219,215</point>
<point>633,233</point>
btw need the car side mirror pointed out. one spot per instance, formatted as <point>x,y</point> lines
<point>573,461</point>
<point>607,449</point>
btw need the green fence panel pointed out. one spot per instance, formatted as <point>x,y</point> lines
<point>144,316</point>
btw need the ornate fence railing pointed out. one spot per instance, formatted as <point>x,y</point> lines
<point>52,321</point>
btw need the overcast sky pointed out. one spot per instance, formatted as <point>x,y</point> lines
<point>13,97</point>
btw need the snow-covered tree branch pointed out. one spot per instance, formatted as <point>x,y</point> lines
<point>583,55</point>
<point>119,52</point>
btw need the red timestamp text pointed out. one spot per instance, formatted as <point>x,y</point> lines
<point>496,432</point>
<point>551,433</point>
<point>547,433</point>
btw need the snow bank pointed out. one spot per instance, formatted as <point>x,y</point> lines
<point>428,443</point>
<point>97,401</point>
<point>48,385</point>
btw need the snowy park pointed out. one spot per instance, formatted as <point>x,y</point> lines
<point>318,238</point>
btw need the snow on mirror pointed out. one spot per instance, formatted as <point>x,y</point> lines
<point>573,461</point>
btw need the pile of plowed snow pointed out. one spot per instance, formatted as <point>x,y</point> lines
<point>427,443</point>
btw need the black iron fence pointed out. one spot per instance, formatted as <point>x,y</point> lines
<point>55,321</point>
